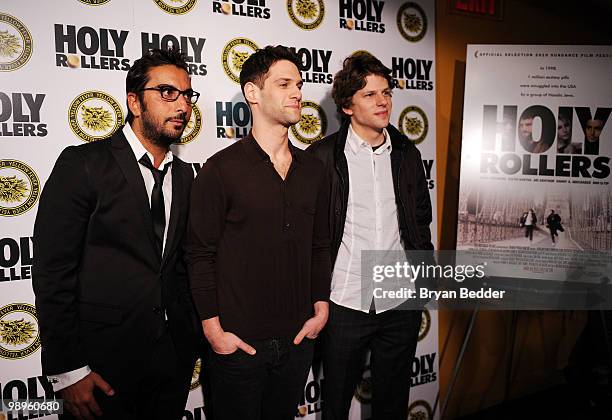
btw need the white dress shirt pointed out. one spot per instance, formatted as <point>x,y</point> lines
<point>64,380</point>
<point>371,221</point>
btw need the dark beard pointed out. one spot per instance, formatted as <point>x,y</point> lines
<point>156,137</point>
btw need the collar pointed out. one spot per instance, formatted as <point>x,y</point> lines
<point>139,150</point>
<point>356,143</point>
<point>256,154</point>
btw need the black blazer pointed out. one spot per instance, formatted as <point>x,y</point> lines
<point>409,184</point>
<point>411,197</point>
<point>101,288</point>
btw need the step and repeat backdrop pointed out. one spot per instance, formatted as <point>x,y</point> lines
<point>62,70</point>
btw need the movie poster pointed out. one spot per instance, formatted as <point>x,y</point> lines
<point>535,193</point>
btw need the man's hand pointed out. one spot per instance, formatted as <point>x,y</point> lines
<point>79,398</point>
<point>228,343</point>
<point>223,342</point>
<point>313,326</point>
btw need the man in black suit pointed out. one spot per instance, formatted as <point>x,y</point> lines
<point>116,319</point>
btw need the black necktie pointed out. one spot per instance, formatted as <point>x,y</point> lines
<point>158,211</point>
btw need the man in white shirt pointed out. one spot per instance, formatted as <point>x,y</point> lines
<point>379,201</point>
<point>117,326</point>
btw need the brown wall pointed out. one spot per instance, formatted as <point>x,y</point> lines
<point>542,340</point>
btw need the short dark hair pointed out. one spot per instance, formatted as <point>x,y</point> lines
<point>528,114</point>
<point>352,78</point>
<point>256,67</point>
<point>565,117</point>
<point>138,75</point>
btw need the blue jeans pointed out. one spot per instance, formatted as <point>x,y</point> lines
<point>265,386</point>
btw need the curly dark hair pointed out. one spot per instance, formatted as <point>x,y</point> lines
<point>256,67</point>
<point>352,78</point>
<point>138,75</point>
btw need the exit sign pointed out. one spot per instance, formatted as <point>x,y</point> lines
<point>489,9</point>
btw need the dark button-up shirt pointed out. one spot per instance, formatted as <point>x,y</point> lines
<point>257,245</point>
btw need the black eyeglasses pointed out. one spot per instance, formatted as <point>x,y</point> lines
<point>171,94</point>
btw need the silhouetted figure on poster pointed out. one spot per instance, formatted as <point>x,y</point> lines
<point>528,221</point>
<point>553,223</point>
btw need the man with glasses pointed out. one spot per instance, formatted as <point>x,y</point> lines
<point>117,326</point>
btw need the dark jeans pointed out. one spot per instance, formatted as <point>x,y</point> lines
<point>160,395</point>
<point>392,338</point>
<point>265,386</point>
<point>553,233</point>
<point>529,232</point>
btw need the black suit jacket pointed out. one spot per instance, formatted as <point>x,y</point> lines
<point>414,214</point>
<point>101,288</point>
<point>409,185</point>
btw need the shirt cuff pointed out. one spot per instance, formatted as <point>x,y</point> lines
<point>63,380</point>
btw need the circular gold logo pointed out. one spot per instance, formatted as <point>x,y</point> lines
<point>176,7</point>
<point>420,410</point>
<point>412,21</point>
<point>94,115</point>
<point>425,324</point>
<point>194,125</point>
<point>235,53</point>
<point>19,334</point>
<point>19,188</point>
<point>413,124</point>
<point>307,14</point>
<point>195,375</point>
<point>312,125</point>
<point>15,43</point>
<point>94,2</point>
<point>363,392</point>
